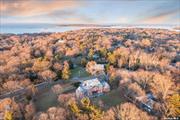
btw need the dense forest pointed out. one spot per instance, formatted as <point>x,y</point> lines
<point>137,62</point>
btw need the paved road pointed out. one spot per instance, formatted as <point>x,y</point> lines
<point>44,85</point>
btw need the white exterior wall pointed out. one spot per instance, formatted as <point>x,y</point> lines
<point>88,86</point>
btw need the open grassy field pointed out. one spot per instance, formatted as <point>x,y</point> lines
<point>46,100</point>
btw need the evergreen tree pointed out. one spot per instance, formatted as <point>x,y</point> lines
<point>91,53</point>
<point>111,58</point>
<point>66,72</point>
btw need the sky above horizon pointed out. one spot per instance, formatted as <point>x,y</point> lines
<point>90,11</point>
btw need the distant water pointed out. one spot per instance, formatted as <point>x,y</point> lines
<point>33,28</point>
<point>37,28</point>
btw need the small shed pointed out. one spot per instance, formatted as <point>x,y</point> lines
<point>92,88</point>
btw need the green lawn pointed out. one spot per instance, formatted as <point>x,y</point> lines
<point>46,100</point>
<point>79,72</point>
<point>110,99</point>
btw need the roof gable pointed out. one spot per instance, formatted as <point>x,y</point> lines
<point>91,83</point>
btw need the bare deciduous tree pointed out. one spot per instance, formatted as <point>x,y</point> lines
<point>129,111</point>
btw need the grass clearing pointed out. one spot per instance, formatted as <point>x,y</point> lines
<point>79,72</point>
<point>46,100</point>
<point>110,99</point>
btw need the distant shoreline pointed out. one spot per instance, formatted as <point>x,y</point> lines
<point>52,28</point>
<point>114,25</point>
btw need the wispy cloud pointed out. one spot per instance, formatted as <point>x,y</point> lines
<point>92,11</point>
<point>71,16</point>
<point>162,13</point>
<point>160,18</point>
<point>34,7</point>
<point>57,11</point>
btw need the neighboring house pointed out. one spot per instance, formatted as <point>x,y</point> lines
<point>92,88</point>
<point>94,68</point>
<point>147,102</point>
<point>96,56</point>
<point>61,41</point>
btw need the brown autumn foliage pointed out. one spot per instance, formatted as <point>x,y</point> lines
<point>134,90</point>
<point>63,98</point>
<point>139,60</point>
<point>129,111</point>
<point>53,113</point>
<point>47,75</point>
<point>10,105</point>
<point>162,86</point>
<point>57,89</point>
<point>93,68</point>
<point>29,111</point>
